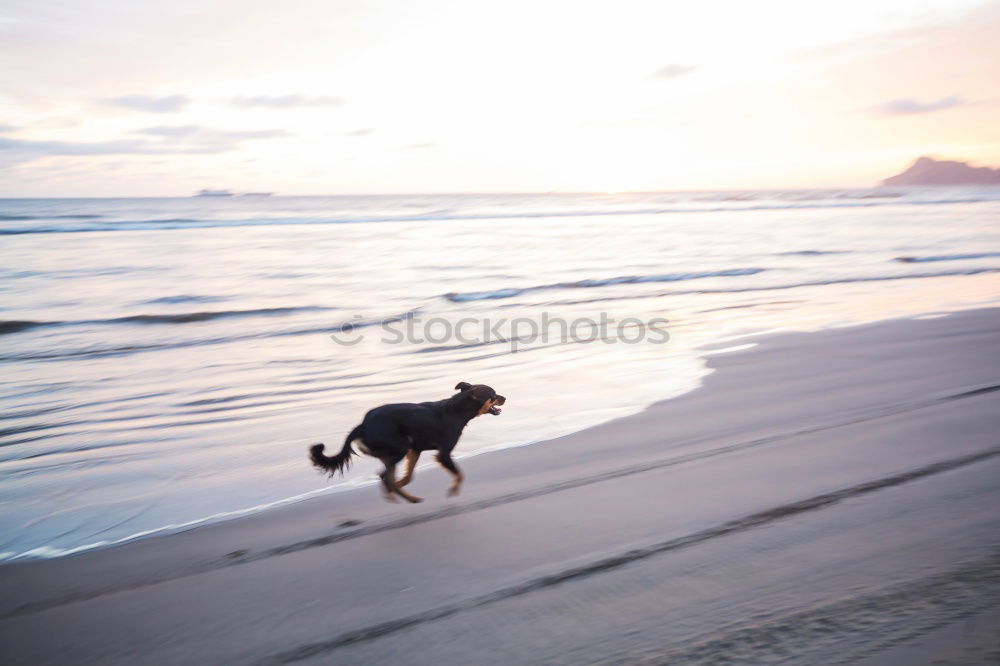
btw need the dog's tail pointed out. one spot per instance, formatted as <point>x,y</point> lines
<point>337,463</point>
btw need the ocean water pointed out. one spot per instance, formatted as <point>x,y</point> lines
<point>167,362</point>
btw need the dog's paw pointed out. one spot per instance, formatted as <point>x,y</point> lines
<point>453,491</point>
<point>416,500</point>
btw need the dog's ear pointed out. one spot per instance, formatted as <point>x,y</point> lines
<point>463,386</point>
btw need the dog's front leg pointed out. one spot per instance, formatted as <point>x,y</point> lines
<point>412,456</point>
<point>444,457</point>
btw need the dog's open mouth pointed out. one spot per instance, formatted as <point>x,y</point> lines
<point>494,405</point>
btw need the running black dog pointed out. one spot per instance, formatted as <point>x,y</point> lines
<point>392,432</point>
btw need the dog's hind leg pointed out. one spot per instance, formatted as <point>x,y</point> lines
<point>449,464</point>
<point>387,492</point>
<point>412,456</point>
<point>390,486</point>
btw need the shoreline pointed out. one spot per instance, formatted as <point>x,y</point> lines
<point>704,352</point>
<point>169,392</point>
<point>574,505</point>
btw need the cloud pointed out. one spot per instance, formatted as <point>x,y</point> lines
<point>32,149</point>
<point>284,101</point>
<point>198,139</point>
<point>148,103</point>
<point>360,132</point>
<point>204,135</point>
<point>907,106</point>
<point>4,129</point>
<point>673,71</point>
<point>421,145</point>
<point>161,140</point>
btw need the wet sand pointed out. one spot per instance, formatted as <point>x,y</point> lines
<point>823,498</point>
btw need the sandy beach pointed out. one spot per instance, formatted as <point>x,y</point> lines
<point>823,498</point>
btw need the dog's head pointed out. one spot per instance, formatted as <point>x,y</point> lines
<point>483,397</point>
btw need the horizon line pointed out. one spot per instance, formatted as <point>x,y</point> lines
<point>239,196</point>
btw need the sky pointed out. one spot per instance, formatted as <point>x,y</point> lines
<point>143,98</point>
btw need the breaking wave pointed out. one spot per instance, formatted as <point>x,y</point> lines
<point>174,318</point>
<point>947,257</point>
<point>442,215</point>
<point>464,297</point>
<point>117,350</point>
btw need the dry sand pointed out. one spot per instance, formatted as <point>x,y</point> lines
<point>824,498</point>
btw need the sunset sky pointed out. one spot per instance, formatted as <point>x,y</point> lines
<point>137,98</point>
